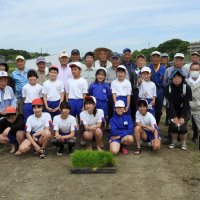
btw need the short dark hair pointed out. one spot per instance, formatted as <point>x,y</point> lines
<point>32,73</point>
<point>53,68</point>
<point>89,53</point>
<point>65,105</point>
<point>194,63</point>
<point>142,102</point>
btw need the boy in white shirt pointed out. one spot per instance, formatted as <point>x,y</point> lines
<point>37,130</point>
<point>64,127</point>
<point>146,127</point>
<point>121,88</point>
<point>91,119</point>
<point>147,89</point>
<point>31,91</point>
<point>76,89</point>
<point>53,92</point>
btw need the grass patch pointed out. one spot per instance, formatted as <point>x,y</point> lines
<point>92,159</point>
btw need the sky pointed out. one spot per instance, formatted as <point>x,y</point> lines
<point>52,26</point>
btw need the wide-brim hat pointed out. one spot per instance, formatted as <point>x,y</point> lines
<point>97,51</point>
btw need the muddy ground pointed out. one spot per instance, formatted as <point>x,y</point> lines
<point>168,174</point>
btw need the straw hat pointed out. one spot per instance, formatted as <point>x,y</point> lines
<point>97,51</point>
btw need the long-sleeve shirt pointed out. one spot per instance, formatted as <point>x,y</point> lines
<point>14,127</point>
<point>121,125</point>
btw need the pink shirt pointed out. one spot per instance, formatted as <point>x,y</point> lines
<point>64,74</point>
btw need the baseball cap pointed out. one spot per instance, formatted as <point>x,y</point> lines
<point>121,67</point>
<point>63,54</point>
<point>155,53</point>
<point>102,68</point>
<point>120,104</point>
<point>53,67</point>
<point>115,55</point>
<point>38,102</point>
<point>75,51</point>
<point>140,55</point>
<point>10,110</point>
<point>144,101</point>
<point>90,98</point>
<point>126,50</point>
<point>164,55</point>
<point>40,59</point>
<point>20,57</point>
<point>195,53</point>
<point>76,64</point>
<point>3,74</point>
<point>179,55</point>
<point>146,69</point>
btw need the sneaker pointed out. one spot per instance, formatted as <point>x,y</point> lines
<point>60,151</point>
<point>124,151</point>
<point>43,154</point>
<point>148,144</point>
<point>183,147</point>
<point>172,146</point>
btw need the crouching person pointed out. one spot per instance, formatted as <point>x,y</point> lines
<point>121,127</point>
<point>12,129</point>
<point>146,128</point>
<point>91,119</point>
<point>37,130</point>
<point>64,127</point>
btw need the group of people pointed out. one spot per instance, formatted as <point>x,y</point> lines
<point>82,98</point>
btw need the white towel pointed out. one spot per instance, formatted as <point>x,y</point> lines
<point>6,94</point>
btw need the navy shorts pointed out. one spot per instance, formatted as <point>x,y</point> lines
<point>150,136</point>
<point>12,139</point>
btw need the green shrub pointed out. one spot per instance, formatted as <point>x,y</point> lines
<point>92,159</point>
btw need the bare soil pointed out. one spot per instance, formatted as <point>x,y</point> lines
<point>167,174</point>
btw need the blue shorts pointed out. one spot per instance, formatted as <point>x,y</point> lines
<point>150,136</point>
<point>76,107</point>
<point>28,110</point>
<point>53,104</point>
<point>12,139</point>
<point>116,140</point>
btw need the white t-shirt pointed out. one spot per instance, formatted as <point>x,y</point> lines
<point>34,124</point>
<point>90,119</point>
<point>30,92</point>
<point>121,88</point>
<point>147,90</point>
<point>64,125</point>
<point>76,88</point>
<point>53,89</point>
<point>148,119</point>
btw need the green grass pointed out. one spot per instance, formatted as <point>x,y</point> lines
<point>92,159</point>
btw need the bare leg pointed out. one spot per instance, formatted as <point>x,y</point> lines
<point>115,147</point>
<point>88,135</point>
<point>98,136</point>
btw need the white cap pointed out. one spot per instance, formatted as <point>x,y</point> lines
<point>180,55</point>
<point>121,67</point>
<point>77,64</point>
<point>91,97</point>
<point>119,103</point>
<point>155,53</point>
<point>103,68</point>
<point>20,57</point>
<point>3,74</point>
<point>63,54</point>
<point>146,69</point>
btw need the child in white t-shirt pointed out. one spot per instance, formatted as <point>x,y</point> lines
<point>147,89</point>
<point>146,127</point>
<point>76,88</point>
<point>53,92</point>
<point>31,91</point>
<point>121,88</point>
<point>91,119</point>
<point>37,130</point>
<point>64,127</point>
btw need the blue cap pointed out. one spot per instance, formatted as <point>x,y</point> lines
<point>115,55</point>
<point>126,50</point>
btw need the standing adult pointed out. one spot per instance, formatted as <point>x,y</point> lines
<point>165,60</point>
<point>7,97</point>
<point>88,70</point>
<point>195,58</point>
<point>102,56</point>
<point>64,71</point>
<point>42,75</point>
<point>75,55</point>
<point>158,72</point>
<point>20,77</point>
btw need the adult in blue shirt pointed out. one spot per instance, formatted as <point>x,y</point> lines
<point>20,78</point>
<point>7,97</point>
<point>158,72</point>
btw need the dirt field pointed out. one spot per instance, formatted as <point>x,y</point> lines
<point>168,174</point>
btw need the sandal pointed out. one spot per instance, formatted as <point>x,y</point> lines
<point>138,151</point>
